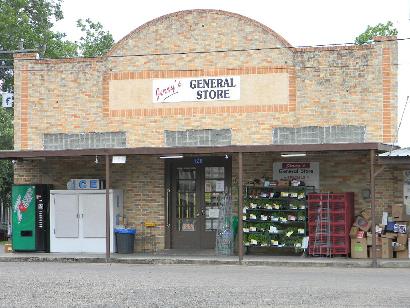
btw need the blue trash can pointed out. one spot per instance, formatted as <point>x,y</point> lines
<point>124,239</point>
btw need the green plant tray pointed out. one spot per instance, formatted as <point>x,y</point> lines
<point>277,222</point>
<point>274,210</point>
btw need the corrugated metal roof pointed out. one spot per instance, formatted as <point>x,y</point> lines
<point>404,152</point>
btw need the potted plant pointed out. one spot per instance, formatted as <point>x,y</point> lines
<point>253,239</point>
<point>264,238</point>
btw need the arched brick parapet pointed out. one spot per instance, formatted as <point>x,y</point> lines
<point>197,30</point>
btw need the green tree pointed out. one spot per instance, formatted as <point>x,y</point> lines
<point>96,41</point>
<point>380,29</point>
<point>30,22</point>
<point>6,143</point>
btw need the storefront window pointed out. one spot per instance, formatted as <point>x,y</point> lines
<point>214,190</point>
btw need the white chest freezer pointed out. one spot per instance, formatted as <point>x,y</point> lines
<point>77,220</point>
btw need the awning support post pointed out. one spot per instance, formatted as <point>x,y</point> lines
<point>107,208</point>
<point>373,206</point>
<point>240,207</point>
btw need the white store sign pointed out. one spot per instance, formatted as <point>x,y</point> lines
<point>221,88</point>
<point>79,184</point>
<point>308,172</point>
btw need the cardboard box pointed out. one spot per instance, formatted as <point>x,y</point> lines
<point>400,227</point>
<point>283,183</point>
<point>369,240</point>
<point>399,247</point>
<point>387,248</point>
<point>366,213</point>
<point>404,254</point>
<point>390,226</point>
<point>378,252</point>
<point>358,248</point>
<point>7,248</point>
<point>390,235</point>
<point>362,223</point>
<point>353,232</point>
<point>384,218</point>
<point>402,239</point>
<point>361,234</point>
<point>398,212</point>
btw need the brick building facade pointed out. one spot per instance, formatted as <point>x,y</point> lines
<point>340,94</point>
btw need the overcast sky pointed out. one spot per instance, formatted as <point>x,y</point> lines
<point>300,22</point>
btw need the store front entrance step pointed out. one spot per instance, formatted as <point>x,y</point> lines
<point>198,257</point>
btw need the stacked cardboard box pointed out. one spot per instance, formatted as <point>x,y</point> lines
<point>7,248</point>
<point>358,241</point>
<point>391,236</point>
<point>400,222</point>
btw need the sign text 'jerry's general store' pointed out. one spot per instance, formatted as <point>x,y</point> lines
<point>196,89</point>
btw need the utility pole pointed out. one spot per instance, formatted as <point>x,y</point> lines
<point>21,49</point>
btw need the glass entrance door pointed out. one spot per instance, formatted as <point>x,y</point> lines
<point>186,208</point>
<point>197,189</point>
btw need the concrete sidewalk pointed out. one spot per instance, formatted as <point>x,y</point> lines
<point>198,258</point>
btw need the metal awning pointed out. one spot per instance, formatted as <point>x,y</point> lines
<point>404,152</point>
<point>197,150</point>
<point>373,148</point>
<point>395,157</point>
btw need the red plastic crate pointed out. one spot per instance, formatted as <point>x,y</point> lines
<point>330,217</point>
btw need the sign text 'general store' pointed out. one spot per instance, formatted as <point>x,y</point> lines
<point>199,89</point>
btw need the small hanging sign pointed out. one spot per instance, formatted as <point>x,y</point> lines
<point>7,101</point>
<point>307,172</point>
<point>213,213</point>
<point>220,186</point>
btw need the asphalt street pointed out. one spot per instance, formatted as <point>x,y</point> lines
<point>121,285</point>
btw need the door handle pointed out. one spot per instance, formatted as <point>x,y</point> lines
<point>167,214</point>
<point>201,212</point>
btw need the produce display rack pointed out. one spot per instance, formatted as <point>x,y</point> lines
<point>329,220</point>
<point>275,217</point>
